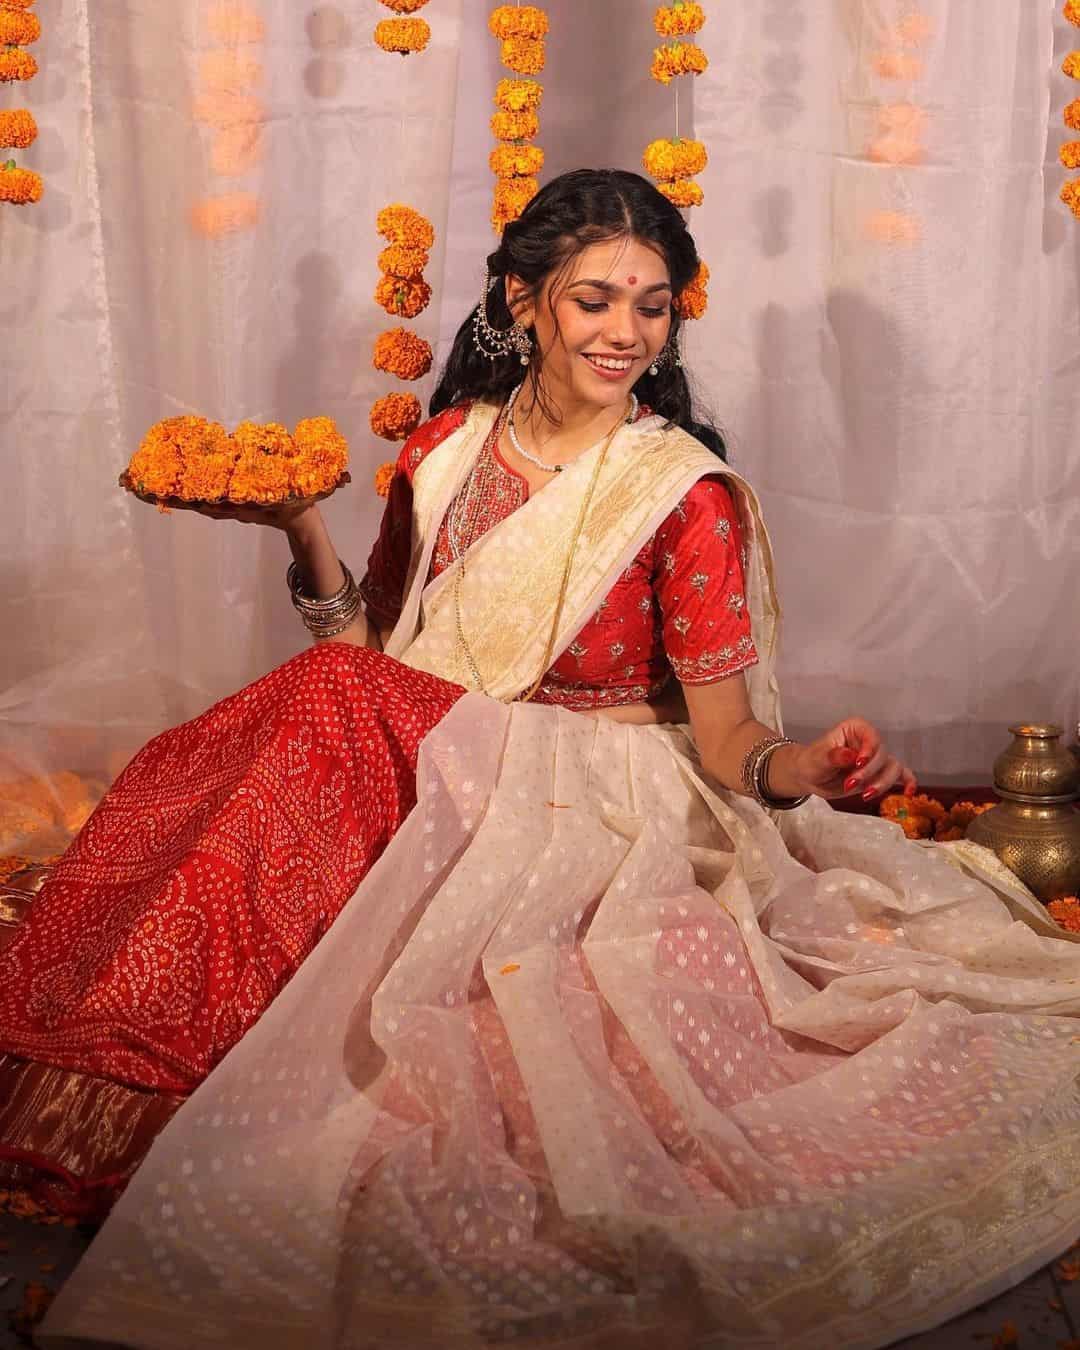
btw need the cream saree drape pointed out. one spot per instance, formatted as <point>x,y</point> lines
<point>597,1057</point>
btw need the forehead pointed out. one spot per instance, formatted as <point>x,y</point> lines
<point>616,260</point>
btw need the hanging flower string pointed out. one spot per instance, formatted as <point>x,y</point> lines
<point>898,137</point>
<point>676,161</point>
<point>18,130</point>
<point>403,36</point>
<point>1069,152</point>
<point>229,72</point>
<point>521,31</point>
<point>402,292</point>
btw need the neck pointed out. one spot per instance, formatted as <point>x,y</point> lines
<point>572,426</point>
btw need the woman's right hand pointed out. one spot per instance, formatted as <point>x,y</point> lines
<point>287,516</point>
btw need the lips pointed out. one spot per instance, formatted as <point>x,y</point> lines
<point>612,366</point>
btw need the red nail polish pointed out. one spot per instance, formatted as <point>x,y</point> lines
<point>870,792</point>
<point>862,761</point>
<point>850,784</point>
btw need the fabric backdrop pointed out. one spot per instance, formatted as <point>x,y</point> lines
<point>890,348</point>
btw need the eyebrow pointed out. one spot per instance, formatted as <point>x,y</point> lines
<point>611,289</point>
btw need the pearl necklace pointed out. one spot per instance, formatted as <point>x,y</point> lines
<point>511,431</point>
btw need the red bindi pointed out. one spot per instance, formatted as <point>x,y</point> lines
<point>631,281</point>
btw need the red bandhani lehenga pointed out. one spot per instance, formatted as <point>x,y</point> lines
<point>229,845</point>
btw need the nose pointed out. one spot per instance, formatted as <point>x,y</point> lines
<point>621,329</point>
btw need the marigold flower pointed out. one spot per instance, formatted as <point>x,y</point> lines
<point>234,23</point>
<point>402,353</point>
<point>227,110</point>
<point>517,126</point>
<point>1069,154</point>
<point>898,66</point>
<point>399,261</point>
<point>693,301</point>
<point>16,4</point>
<point>523,55</point>
<point>402,35</point>
<point>217,216</point>
<point>1071,11</point>
<point>518,95</point>
<point>526,21</point>
<point>321,457</point>
<point>516,161</point>
<point>236,150</point>
<point>17,64</point>
<point>262,470</point>
<point>19,186</point>
<point>157,465</point>
<point>229,71</point>
<point>384,476</point>
<point>670,159</point>
<point>1070,195</point>
<point>18,27</point>
<point>679,20</point>
<point>1071,66</point>
<point>1072,115</point>
<point>895,150</point>
<point>402,225</point>
<point>17,128</point>
<point>208,455</point>
<point>1066,912</point>
<point>683,193</point>
<point>404,6</point>
<point>404,297</point>
<point>512,196</point>
<point>396,416</point>
<point>892,227</point>
<point>678,58</point>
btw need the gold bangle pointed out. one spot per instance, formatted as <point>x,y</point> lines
<point>761,778</point>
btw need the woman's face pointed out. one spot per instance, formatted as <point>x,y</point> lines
<point>601,324</point>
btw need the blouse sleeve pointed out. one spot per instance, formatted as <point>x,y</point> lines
<point>698,580</point>
<point>383,586</point>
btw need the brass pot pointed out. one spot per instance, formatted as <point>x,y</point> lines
<point>1035,829</point>
<point>1036,764</point>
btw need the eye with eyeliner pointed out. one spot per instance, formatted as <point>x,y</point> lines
<point>597,306</point>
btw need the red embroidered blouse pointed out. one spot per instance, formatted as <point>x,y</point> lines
<point>679,606</point>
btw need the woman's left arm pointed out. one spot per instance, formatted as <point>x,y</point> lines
<point>850,757</point>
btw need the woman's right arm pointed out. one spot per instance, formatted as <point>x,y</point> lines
<point>317,562</point>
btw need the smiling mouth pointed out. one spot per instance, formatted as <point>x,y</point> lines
<point>615,363</point>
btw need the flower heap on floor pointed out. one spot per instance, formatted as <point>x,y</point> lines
<point>403,35</point>
<point>196,460</point>
<point>898,137</point>
<point>1069,152</point>
<point>402,292</point>
<point>18,130</point>
<point>521,30</point>
<point>229,72</point>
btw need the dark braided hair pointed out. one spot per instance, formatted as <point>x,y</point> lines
<point>586,206</point>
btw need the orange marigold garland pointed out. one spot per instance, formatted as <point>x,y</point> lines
<point>521,30</point>
<point>681,19</point>
<point>17,64</point>
<point>17,129</point>
<point>1070,152</point>
<point>398,260</point>
<point>694,300</point>
<point>384,477</point>
<point>402,353</point>
<point>403,36</point>
<point>19,186</point>
<point>404,297</point>
<point>235,115</point>
<point>678,58</point>
<point>18,27</point>
<point>396,416</point>
<point>402,225</point>
<point>1072,12</point>
<point>404,6</point>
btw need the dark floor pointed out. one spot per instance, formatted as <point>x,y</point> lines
<point>1043,1313</point>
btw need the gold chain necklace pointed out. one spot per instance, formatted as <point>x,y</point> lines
<point>563,588</point>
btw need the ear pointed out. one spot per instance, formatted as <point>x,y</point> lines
<point>519,302</point>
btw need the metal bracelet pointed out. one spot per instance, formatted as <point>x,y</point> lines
<point>747,773</point>
<point>760,780</point>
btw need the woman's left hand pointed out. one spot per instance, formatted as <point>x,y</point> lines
<point>852,758</point>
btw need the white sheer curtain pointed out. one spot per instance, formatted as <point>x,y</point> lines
<point>906,410</point>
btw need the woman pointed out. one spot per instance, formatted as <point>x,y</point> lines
<point>589,1058</point>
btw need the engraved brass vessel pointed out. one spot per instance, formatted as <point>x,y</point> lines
<point>1035,828</point>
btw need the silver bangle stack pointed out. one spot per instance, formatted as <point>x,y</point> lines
<point>331,615</point>
<point>754,774</point>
